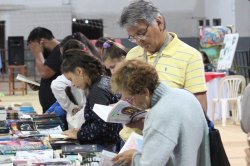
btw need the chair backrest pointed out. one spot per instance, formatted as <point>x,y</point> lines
<point>234,85</point>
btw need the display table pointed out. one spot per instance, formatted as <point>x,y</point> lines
<point>212,80</point>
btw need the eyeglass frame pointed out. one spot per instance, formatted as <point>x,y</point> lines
<point>139,36</point>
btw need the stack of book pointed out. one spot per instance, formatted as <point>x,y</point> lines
<point>24,128</point>
<point>3,113</point>
<point>26,109</point>
<point>47,121</point>
<point>88,154</point>
<point>12,114</point>
<point>4,129</point>
<point>10,147</point>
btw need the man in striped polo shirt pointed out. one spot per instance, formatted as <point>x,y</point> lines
<point>178,64</point>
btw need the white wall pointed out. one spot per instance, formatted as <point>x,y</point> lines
<point>224,9</point>
<point>33,3</point>
<point>21,22</point>
<point>242,8</point>
<point>181,16</point>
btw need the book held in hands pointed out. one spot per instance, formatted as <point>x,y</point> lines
<point>121,112</point>
<point>134,141</point>
<point>21,77</point>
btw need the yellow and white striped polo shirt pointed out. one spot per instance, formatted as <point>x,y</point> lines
<point>179,66</point>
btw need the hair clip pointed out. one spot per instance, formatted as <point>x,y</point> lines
<point>106,45</point>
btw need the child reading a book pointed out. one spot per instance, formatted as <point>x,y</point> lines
<point>113,54</point>
<point>175,130</point>
<point>86,72</point>
<point>70,98</point>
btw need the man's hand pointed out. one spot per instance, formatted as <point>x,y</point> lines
<point>71,133</point>
<point>136,124</point>
<point>34,87</point>
<point>124,158</point>
<point>35,48</point>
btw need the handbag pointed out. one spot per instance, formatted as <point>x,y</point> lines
<point>218,155</point>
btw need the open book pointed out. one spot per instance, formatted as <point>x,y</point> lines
<point>121,112</point>
<point>21,77</point>
<point>134,142</point>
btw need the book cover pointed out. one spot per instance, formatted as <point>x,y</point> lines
<point>75,149</point>
<point>21,77</point>
<point>35,154</point>
<point>57,136</point>
<point>48,131</point>
<point>47,162</point>
<point>10,147</point>
<point>57,144</point>
<point>26,126</point>
<point>26,129</point>
<point>89,158</point>
<point>121,112</point>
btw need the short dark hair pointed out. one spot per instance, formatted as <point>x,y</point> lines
<point>83,39</point>
<point>73,44</point>
<point>74,58</point>
<point>39,32</point>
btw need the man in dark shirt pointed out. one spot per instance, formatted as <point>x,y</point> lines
<point>41,41</point>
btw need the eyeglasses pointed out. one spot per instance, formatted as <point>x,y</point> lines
<point>140,36</point>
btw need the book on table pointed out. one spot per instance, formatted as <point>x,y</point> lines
<point>121,112</point>
<point>24,128</point>
<point>23,78</point>
<point>27,144</point>
<point>75,149</point>
<point>89,158</point>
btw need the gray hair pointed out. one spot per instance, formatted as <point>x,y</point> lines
<point>139,10</point>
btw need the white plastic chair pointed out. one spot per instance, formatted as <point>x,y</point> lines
<point>233,86</point>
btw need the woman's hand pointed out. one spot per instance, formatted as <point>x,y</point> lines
<point>71,133</point>
<point>124,158</point>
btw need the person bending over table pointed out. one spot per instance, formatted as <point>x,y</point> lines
<point>86,72</point>
<point>175,130</point>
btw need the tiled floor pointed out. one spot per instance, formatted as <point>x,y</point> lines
<point>233,138</point>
